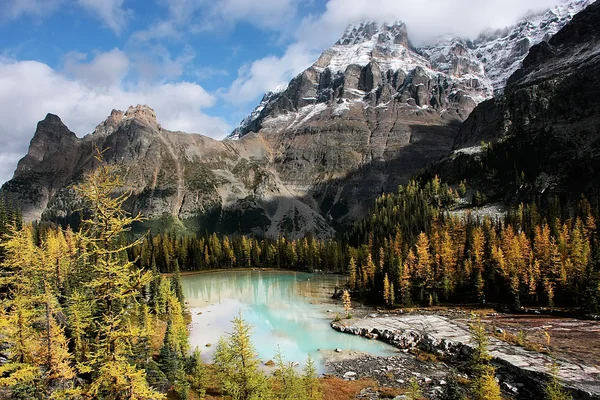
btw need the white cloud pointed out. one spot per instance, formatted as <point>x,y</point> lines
<point>155,62</point>
<point>110,12</point>
<point>105,70</point>
<point>209,72</point>
<point>267,73</point>
<point>30,89</point>
<point>427,20</point>
<point>185,16</point>
<point>14,9</point>
<point>264,14</point>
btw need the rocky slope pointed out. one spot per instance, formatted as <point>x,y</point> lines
<point>374,109</point>
<point>176,175</point>
<point>547,123</point>
<point>368,114</point>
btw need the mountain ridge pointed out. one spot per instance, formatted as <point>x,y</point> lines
<point>321,148</point>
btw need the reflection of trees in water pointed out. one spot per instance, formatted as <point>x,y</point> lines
<point>256,287</point>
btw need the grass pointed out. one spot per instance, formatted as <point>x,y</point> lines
<point>333,388</point>
<point>338,389</point>
<point>425,356</point>
<point>520,339</point>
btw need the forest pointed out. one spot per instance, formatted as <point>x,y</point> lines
<point>96,313</point>
<point>80,320</point>
<point>413,250</point>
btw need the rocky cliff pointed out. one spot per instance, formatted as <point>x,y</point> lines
<point>367,115</point>
<point>547,122</point>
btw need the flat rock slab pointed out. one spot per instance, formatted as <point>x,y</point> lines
<point>437,333</point>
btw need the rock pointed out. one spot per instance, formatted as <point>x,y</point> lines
<point>350,375</point>
<point>453,340</point>
<point>509,388</point>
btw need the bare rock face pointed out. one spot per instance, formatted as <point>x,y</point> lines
<point>50,161</point>
<point>205,183</point>
<point>451,339</point>
<point>373,109</point>
<point>550,109</point>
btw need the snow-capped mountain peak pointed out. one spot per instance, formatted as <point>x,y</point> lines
<point>373,63</point>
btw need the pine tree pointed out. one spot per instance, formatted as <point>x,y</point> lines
<point>114,283</point>
<point>197,373</point>
<point>53,355</point>
<point>553,388</point>
<point>387,296</point>
<point>483,385</point>
<point>287,383</point>
<point>414,391</point>
<point>236,365</point>
<point>452,390</point>
<point>79,316</point>
<point>312,386</point>
<point>176,282</point>
<point>352,272</point>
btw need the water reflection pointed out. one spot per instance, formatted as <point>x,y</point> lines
<point>288,309</point>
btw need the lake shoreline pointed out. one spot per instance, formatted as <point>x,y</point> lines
<point>217,270</point>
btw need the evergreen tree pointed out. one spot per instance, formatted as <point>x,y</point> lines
<point>312,386</point>
<point>287,383</point>
<point>483,385</point>
<point>414,391</point>
<point>176,282</point>
<point>236,365</point>
<point>347,302</point>
<point>553,388</point>
<point>197,374</point>
<point>453,390</point>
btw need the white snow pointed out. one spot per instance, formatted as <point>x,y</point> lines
<point>480,68</point>
<point>469,150</point>
<point>341,108</point>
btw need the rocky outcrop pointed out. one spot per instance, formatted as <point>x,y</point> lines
<point>452,340</point>
<point>550,111</point>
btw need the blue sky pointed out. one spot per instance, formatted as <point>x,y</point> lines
<point>201,64</point>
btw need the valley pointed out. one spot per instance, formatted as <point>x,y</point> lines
<point>402,220</point>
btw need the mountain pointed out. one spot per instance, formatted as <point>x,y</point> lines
<point>546,124</point>
<point>172,175</point>
<point>365,117</point>
<point>373,63</point>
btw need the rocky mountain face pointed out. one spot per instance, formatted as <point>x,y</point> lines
<point>174,175</point>
<point>547,123</point>
<point>367,115</point>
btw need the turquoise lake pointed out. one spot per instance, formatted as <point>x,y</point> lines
<point>291,310</point>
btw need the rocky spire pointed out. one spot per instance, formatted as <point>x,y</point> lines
<point>142,113</point>
<point>394,33</point>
